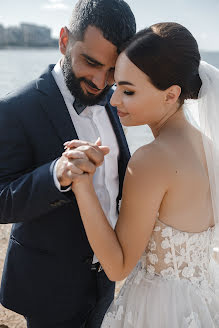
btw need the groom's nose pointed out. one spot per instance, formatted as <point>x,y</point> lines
<point>100,79</point>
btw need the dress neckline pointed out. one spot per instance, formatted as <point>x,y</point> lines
<point>182,231</point>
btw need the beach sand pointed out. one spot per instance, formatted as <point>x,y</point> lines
<point>9,319</point>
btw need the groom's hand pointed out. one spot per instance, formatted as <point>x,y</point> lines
<point>79,157</point>
<point>66,170</point>
<point>95,152</point>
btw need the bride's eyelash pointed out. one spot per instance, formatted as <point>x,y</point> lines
<point>128,93</point>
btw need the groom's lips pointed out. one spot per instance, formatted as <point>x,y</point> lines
<point>91,90</point>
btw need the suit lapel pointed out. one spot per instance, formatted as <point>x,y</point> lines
<point>114,119</point>
<point>54,105</point>
<point>123,146</point>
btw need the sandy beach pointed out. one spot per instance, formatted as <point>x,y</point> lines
<point>8,319</point>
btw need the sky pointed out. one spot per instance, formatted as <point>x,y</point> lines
<point>201,17</point>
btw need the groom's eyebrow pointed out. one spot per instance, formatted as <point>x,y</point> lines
<point>95,62</point>
<point>92,60</point>
<point>125,83</point>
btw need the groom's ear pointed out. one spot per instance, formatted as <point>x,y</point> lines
<point>63,40</point>
<point>172,94</point>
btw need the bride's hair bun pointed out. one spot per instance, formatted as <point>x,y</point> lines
<point>195,87</point>
<point>168,53</point>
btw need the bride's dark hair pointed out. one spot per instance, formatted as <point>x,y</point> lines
<point>168,53</point>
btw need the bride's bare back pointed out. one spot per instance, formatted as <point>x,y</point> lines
<point>187,203</point>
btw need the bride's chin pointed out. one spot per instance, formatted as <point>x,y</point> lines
<point>125,122</point>
<point>128,124</point>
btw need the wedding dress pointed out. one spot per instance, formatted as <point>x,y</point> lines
<point>171,286</point>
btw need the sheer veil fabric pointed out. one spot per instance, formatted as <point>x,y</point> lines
<point>204,114</point>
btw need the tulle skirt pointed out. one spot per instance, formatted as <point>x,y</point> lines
<point>157,302</point>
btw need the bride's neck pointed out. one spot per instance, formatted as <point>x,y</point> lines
<point>172,120</point>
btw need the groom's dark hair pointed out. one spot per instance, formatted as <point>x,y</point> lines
<point>113,17</point>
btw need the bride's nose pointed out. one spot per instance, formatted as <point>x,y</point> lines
<point>115,99</point>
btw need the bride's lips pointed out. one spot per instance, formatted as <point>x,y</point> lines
<point>121,114</point>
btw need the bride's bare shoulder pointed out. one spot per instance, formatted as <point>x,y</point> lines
<point>151,158</point>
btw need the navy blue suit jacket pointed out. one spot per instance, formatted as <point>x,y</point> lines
<point>47,266</point>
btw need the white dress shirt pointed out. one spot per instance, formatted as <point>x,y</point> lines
<point>92,123</point>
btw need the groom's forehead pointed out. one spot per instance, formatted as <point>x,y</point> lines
<point>96,46</point>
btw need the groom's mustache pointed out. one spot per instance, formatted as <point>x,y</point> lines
<point>91,84</point>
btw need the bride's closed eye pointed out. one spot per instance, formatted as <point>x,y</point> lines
<point>128,93</point>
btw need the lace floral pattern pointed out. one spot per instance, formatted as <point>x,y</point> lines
<point>193,321</point>
<point>180,255</point>
<point>171,255</point>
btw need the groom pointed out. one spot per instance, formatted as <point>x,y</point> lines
<point>51,275</point>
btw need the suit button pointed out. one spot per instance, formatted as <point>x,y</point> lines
<point>55,203</point>
<point>62,201</point>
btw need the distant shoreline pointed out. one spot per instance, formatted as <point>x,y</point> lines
<point>26,35</point>
<point>17,47</point>
<point>27,47</point>
<point>209,51</point>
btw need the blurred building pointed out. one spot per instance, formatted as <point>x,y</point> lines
<point>27,35</point>
<point>2,35</point>
<point>13,36</point>
<point>34,35</point>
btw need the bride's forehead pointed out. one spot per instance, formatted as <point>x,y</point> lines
<point>123,61</point>
<point>126,69</point>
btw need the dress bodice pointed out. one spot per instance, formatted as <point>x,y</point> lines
<point>176,254</point>
<point>171,286</point>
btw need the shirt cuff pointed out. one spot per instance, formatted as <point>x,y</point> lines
<point>56,181</point>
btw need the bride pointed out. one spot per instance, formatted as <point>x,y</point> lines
<point>167,224</point>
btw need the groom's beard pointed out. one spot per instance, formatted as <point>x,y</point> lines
<point>74,85</point>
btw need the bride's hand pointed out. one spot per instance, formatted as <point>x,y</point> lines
<point>94,151</point>
<point>82,182</point>
<point>93,156</point>
<point>79,159</point>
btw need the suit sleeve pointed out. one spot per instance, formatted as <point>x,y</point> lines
<point>26,192</point>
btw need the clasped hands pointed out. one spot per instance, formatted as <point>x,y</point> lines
<point>79,161</point>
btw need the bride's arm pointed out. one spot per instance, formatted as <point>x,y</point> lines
<point>144,188</point>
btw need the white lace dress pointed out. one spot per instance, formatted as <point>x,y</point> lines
<point>171,286</point>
